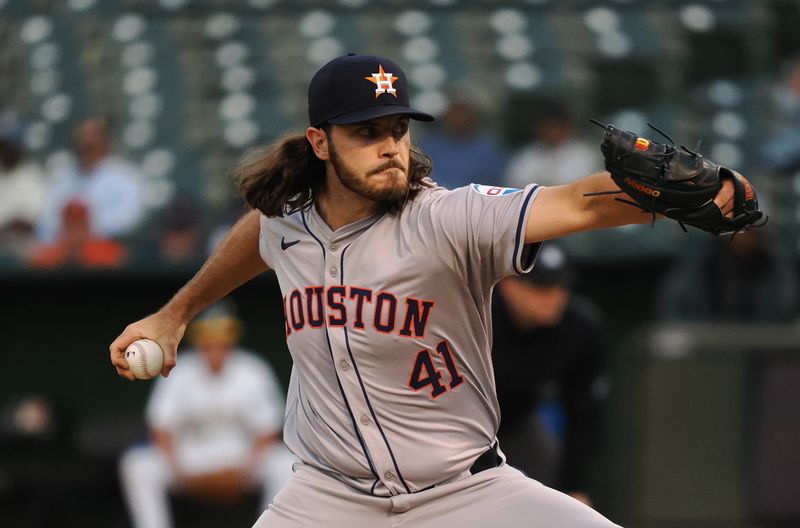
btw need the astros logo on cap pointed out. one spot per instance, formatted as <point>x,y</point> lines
<point>383,81</point>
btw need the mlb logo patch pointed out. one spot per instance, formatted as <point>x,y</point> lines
<point>490,190</point>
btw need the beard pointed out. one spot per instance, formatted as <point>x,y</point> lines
<point>392,195</point>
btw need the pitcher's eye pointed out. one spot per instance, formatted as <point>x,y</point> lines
<point>400,130</point>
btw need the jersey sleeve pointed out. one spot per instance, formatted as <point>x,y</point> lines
<point>480,231</point>
<point>263,240</point>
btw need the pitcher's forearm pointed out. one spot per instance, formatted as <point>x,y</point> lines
<point>566,209</point>
<point>606,209</point>
<point>235,261</point>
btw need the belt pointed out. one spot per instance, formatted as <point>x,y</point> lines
<point>489,459</point>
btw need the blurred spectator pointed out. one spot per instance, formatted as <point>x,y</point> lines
<point>215,425</point>
<point>464,151</point>
<point>181,238</point>
<point>110,187</point>
<point>22,188</point>
<point>548,358</point>
<point>178,236</point>
<point>781,152</point>
<point>556,156</point>
<point>75,245</point>
<point>740,280</point>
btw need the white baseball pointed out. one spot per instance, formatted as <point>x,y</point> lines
<point>145,358</point>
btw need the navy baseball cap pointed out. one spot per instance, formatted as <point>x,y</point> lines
<point>357,88</point>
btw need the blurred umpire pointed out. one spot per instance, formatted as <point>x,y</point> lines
<point>548,358</point>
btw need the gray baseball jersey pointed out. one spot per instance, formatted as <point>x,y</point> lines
<point>388,323</point>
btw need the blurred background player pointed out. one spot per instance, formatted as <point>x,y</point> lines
<point>111,187</point>
<point>215,426</point>
<point>548,358</point>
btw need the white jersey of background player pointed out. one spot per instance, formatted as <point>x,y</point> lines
<point>216,425</point>
<point>386,283</point>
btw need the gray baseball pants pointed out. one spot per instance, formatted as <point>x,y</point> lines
<point>498,497</point>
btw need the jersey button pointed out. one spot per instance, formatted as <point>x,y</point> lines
<point>388,476</point>
<point>333,247</point>
<point>334,271</point>
<point>344,365</point>
<point>365,420</point>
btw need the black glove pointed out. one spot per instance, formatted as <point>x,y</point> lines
<point>677,182</point>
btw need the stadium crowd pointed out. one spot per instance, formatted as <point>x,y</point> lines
<point>89,211</point>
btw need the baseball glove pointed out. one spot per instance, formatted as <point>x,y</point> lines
<point>676,182</point>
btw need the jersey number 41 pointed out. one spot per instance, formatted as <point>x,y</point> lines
<point>425,372</point>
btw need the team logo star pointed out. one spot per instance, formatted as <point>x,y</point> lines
<point>383,81</point>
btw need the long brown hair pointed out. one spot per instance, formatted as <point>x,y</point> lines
<point>287,176</point>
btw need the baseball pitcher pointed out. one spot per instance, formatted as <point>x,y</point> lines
<point>386,281</point>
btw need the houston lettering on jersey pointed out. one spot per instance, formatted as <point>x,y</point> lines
<point>318,306</point>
